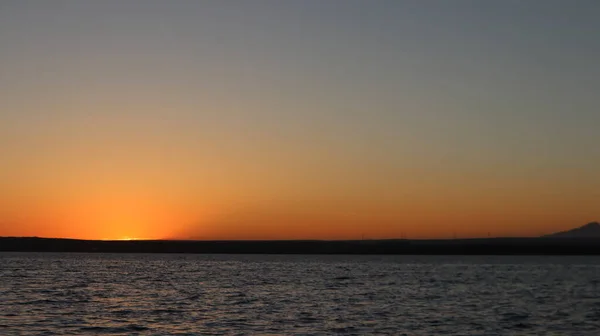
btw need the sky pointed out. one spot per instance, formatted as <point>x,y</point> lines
<point>298,119</point>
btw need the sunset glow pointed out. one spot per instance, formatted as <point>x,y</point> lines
<point>296,120</point>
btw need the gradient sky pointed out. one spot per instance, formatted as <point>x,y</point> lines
<point>298,119</point>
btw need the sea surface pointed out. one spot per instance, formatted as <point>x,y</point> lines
<point>154,294</point>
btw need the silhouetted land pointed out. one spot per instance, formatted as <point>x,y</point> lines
<point>490,246</point>
<point>590,230</point>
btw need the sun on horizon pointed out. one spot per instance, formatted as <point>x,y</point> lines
<point>127,238</point>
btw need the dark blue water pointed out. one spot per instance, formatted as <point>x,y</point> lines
<point>103,294</point>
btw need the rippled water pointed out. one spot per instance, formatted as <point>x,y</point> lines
<point>46,294</point>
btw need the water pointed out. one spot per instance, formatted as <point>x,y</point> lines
<point>103,294</point>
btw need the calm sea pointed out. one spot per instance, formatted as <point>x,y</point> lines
<point>110,294</point>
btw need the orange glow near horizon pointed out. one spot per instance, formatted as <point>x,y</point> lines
<point>326,230</point>
<point>128,215</point>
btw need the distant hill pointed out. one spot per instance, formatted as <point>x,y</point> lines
<point>590,230</point>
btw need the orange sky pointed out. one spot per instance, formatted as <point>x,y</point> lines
<point>423,211</point>
<point>297,120</point>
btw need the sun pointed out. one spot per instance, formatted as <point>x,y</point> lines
<point>122,238</point>
<point>129,238</point>
<point>123,217</point>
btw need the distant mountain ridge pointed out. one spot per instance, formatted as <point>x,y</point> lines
<point>590,230</point>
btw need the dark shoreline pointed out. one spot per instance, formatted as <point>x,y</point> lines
<point>487,246</point>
